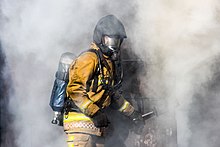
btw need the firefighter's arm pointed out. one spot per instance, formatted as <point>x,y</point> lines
<point>126,108</point>
<point>80,72</point>
<point>122,105</point>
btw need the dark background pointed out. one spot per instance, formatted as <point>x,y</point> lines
<point>6,119</point>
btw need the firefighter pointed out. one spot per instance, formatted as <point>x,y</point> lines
<point>93,86</point>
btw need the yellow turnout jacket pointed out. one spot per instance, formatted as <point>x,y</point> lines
<point>79,90</point>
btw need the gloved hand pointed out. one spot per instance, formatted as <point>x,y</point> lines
<point>138,121</point>
<point>100,119</point>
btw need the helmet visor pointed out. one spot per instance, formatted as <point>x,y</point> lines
<point>112,42</point>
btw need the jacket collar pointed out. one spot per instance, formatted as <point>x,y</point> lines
<point>94,46</point>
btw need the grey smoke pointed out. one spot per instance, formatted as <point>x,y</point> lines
<point>34,34</point>
<point>181,39</point>
<point>6,117</point>
<point>178,39</point>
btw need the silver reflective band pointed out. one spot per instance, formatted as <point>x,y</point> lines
<point>111,42</point>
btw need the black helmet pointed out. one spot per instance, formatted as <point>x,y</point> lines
<point>110,26</point>
<point>109,34</point>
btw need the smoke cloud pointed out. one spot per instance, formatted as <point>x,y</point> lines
<point>179,41</point>
<point>34,34</point>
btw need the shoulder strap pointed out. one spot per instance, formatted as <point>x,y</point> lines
<point>95,77</point>
<point>101,58</point>
<point>99,70</point>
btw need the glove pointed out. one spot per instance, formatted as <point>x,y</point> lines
<point>138,121</point>
<point>100,119</point>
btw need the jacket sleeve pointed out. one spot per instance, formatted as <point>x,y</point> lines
<point>80,72</point>
<point>121,104</point>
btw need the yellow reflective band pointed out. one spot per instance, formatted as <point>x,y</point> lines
<point>70,137</point>
<point>100,82</point>
<point>75,117</point>
<point>85,105</point>
<point>124,106</point>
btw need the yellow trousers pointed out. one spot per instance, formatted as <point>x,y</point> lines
<point>84,140</point>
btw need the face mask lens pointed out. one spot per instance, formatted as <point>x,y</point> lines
<point>111,46</point>
<point>112,42</point>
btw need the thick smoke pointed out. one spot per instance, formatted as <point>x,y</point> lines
<point>178,39</point>
<point>181,40</point>
<point>34,34</point>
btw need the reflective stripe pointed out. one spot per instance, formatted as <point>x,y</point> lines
<point>70,137</point>
<point>85,105</point>
<point>81,124</point>
<point>73,116</point>
<point>124,106</point>
<point>100,82</point>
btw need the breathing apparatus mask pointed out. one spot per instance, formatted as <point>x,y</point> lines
<point>110,46</point>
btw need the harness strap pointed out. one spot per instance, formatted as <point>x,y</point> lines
<point>95,77</point>
<point>99,70</point>
<point>70,105</point>
<point>104,62</point>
